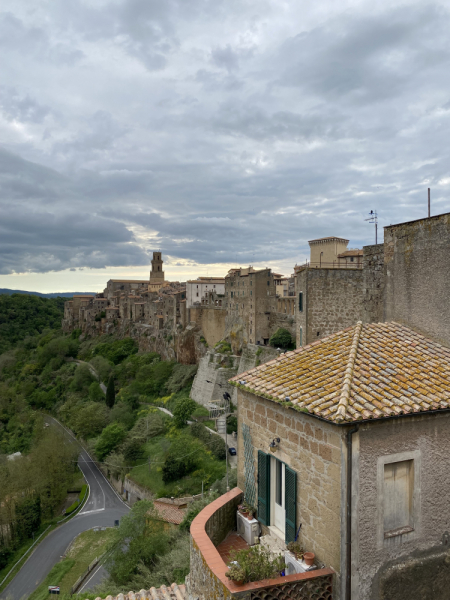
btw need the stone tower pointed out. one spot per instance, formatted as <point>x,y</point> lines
<point>157,273</point>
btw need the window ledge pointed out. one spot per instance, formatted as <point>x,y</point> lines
<point>398,531</point>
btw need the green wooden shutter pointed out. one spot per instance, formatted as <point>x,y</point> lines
<point>290,501</point>
<point>263,488</point>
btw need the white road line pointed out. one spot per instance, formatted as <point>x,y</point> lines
<point>95,477</point>
<point>93,575</point>
<point>89,512</point>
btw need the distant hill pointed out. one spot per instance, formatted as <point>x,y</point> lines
<point>55,295</point>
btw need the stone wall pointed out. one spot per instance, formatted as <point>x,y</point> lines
<point>211,321</point>
<point>284,321</point>
<point>373,284</point>
<point>332,301</point>
<point>310,447</point>
<point>418,275</point>
<point>424,439</point>
<point>215,370</point>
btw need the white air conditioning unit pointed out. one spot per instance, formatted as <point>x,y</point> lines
<point>249,530</point>
<point>295,566</point>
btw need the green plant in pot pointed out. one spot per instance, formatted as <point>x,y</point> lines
<point>236,574</point>
<point>255,564</point>
<point>251,510</point>
<point>296,549</point>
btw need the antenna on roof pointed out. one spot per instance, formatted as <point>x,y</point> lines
<point>429,202</point>
<point>373,218</point>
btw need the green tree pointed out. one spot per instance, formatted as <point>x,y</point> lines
<point>95,392</point>
<point>111,437</point>
<point>183,410</point>
<point>122,413</point>
<point>140,539</point>
<point>82,379</point>
<point>110,392</point>
<point>90,419</point>
<point>281,339</point>
<point>181,459</point>
<point>28,516</point>
<point>151,379</point>
<point>102,366</point>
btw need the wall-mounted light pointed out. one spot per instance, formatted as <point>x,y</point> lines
<point>274,444</point>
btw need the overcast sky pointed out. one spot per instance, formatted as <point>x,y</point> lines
<point>222,132</point>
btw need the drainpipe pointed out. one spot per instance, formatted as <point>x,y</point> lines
<point>348,583</point>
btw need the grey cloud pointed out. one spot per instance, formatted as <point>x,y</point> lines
<point>21,107</point>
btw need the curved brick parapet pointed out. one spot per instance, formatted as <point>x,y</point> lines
<point>207,579</point>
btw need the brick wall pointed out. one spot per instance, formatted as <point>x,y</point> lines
<point>310,447</point>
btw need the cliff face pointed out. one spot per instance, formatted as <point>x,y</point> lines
<point>184,346</point>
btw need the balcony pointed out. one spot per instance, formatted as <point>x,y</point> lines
<point>211,535</point>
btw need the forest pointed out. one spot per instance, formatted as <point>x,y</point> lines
<point>48,372</point>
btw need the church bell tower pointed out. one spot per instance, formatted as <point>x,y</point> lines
<point>157,273</point>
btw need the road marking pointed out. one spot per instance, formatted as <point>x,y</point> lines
<point>95,477</point>
<point>93,575</point>
<point>89,512</point>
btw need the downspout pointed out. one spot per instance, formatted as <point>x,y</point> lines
<point>348,583</point>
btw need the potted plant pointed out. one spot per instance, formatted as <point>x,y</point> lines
<point>251,511</point>
<point>236,574</point>
<point>309,557</point>
<point>255,564</point>
<point>296,549</point>
<point>242,509</point>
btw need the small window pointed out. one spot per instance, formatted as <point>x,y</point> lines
<point>351,259</point>
<point>398,498</point>
<point>197,294</point>
<point>300,301</point>
<point>251,293</point>
<point>268,283</point>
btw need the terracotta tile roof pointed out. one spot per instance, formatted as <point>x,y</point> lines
<point>171,592</point>
<point>369,371</point>
<point>169,512</point>
<point>333,237</point>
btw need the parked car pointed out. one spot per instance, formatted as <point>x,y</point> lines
<point>232,451</point>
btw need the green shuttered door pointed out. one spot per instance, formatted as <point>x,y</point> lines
<point>263,488</point>
<point>290,504</point>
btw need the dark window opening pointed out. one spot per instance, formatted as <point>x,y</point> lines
<point>318,333</point>
<point>300,301</point>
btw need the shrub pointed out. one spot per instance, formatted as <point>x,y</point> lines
<point>151,379</point>
<point>255,564</point>
<point>122,413</point>
<point>183,410</point>
<point>195,508</point>
<point>181,376</point>
<point>82,379</point>
<point>217,447</point>
<point>181,460</point>
<point>116,351</point>
<point>110,392</point>
<point>281,339</point>
<point>111,437</point>
<point>95,392</point>
<point>90,419</point>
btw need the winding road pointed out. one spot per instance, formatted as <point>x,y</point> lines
<point>103,507</point>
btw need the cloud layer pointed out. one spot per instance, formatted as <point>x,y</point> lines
<point>217,131</point>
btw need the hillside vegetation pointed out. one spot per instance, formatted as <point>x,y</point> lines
<point>61,374</point>
<point>22,315</point>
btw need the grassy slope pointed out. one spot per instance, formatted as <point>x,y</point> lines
<point>86,547</point>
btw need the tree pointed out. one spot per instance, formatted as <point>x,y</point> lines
<point>183,410</point>
<point>122,413</point>
<point>102,366</point>
<point>82,379</point>
<point>110,392</point>
<point>95,392</point>
<point>181,459</point>
<point>89,420</point>
<point>140,538</point>
<point>28,516</point>
<point>281,339</point>
<point>111,437</point>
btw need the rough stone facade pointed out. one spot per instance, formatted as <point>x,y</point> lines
<point>417,272</point>
<point>373,284</point>
<point>211,321</point>
<point>331,301</point>
<point>313,449</point>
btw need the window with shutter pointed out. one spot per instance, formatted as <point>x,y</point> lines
<point>290,504</point>
<point>263,488</point>
<point>300,302</point>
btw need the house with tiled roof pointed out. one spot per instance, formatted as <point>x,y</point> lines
<point>343,444</point>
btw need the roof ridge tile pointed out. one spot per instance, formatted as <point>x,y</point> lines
<point>345,394</point>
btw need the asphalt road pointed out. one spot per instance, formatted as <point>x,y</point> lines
<point>102,508</point>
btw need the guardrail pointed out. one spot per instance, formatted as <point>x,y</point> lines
<point>82,577</point>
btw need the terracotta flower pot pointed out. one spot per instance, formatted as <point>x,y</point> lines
<point>250,516</point>
<point>240,582</point>
<point>309,557</point>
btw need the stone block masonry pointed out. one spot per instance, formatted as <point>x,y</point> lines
<point>417,272</point>
<point>313,449</point>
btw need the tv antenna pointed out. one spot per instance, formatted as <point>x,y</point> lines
<point>373,218</point>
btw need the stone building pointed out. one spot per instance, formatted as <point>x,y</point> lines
<point>349,440</point>
<point>251,301</point>
<point>198,288</point>
<point>325,251</point>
